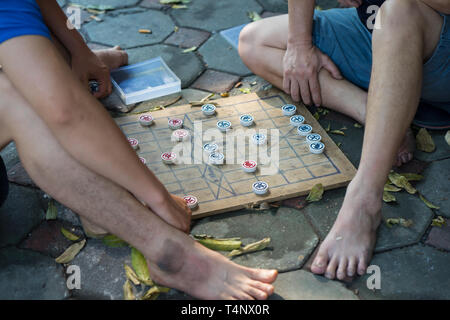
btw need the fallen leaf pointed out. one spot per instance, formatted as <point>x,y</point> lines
<point>343,128</point>
<point>128,291</point>
<point>69,235</point>
<point>112,241</point>
<point>179,6</point>
<point>339,132</point>
<point>401,182</point>
<point>189,49</point>
<point>327,129</point>
<point>145,31</point>
<point>388,197</point>
<point>209,96</point>
<point>357,125</point>
<point>201,103</point>
<point>403,222</point>
<point>175,29</point>
<point>237,85</point>
<point>252,247</point>
<point>412,176</point>
<point>71,252</point>
<point>224,94</point>
<point>245,90</point>
<point>220,244</point>
<point>139,264</point>
<point>438,222</point>
<point>447,137</point>
<point>424,141</point>
<point>428,203</point>
<point>316,193</point>
<point>52,211</point>
<point>96,18</point>
<point>153,293</point>
<point>318,8</point>
<point>131,275</point>
<point>391,188</point>
<point>254,16</point>
<point>317,115</point>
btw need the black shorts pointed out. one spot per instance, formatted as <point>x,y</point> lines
<point>4,187</point>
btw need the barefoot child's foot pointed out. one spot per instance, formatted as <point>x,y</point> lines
<point>347,249</point>
<point>113,58</point>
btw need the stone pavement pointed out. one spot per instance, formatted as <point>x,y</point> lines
<point>413,261</point>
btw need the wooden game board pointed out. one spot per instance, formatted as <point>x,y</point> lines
<point>228,187</point>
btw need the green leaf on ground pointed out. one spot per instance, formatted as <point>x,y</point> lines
<point>438,222</point>
<point>139,264</point>
<point>339,132</point>
<point>391,188</point>
<point>245,90</point>
<point>69,235</point>
<point>254,16</point>
<point>412,176</point>
<point>252,247</point>
<point>131,275</point>
<point>357,125</point>
<point>128,291</point>
<point>71,252</point>
<point>189,49</point>
<point>316,193</point>
<point>401,182</point>
<point>399,221</point>
<point>220,244</point>
<point>52,211</point>
<point>388,197</point>
<point>316,115</point>
<point>424,141</point>
<point>428,203</point>
<point>113,241</point>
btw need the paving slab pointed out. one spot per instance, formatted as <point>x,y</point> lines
<point>254,83</point>
<point>30,275</point>
<point>113,3</point>
<point>439,237</point>
<point>102,272</point>
<point>303,285</point>
<point>416,272</point>
<point>187,38</point>
<point>324,213</point>
<point>215,15</point>
<point>442,148</point>
<point>18,175</point>
<point>436,186</point>
<point>20,214</point>
<point>220,55</point>
<point>9,155</point>
<point>292,238</point>
<point>215,81</point>
<point>275,5</point>
<point>123,28</point>
<point>187,66</point>
<point>153,4</point>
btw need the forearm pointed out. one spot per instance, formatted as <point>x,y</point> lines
<point>301,14</point>
<point>56,21</point>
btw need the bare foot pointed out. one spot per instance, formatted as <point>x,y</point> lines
<point>348,247</point>
<point>405,153</point>
<point>113,58</point>
<point>190,267</point>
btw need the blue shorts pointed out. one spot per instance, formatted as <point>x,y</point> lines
<point>21,18</point>
<point>341,35</point>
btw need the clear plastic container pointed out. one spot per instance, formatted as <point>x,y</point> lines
<point>145,80</point>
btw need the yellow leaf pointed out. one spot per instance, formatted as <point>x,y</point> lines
<point>71,252</point>
<point>224,94</point>
<point>113,241</point>
<point>339,132</point>
<point>254,16</point>
<point>245,90</point>
<point>401,221</point>
<point>220,244</point>
<point>438,222</point>
<point>69,235</point>
<point>179,6</point>
<point>401,182</point>
<point>424,141</point>
<point>317,115</point>
<point>412,176</point>
<point>388,197</point>
<point>145,31</point>
<point>357,125</point>
<point>316,193</point>
<point>329,127</point>
<point>428,203</point>
<point>131,275</point>
<point>52,211</point>
<point>391,188</point>
<point>189,49</point>
<point>139,264</point>
<point>252,247</point>
<point>128,291</point>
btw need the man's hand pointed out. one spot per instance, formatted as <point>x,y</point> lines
<point>350,3</point>
<point>87,66</point>
<point>301,67</point>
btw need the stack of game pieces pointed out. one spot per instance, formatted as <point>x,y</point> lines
<point>224,125</point>
<point>297,120</point>
<point>316,147</point>
<point>259,138</point>
<point>175,123</point>
<point>208,109</point>
<point>168,157</point>
<point>180,135</point>
<point>145,120</point>
<point>191,201</point>
<point>246,120</point>
<point>134,143</point>
<point>313,137</point>
<point>289,109</point>
<point>304,129</point>
<point>216,158</point>
<point>249,166</point>
<point>260,187</point>
<point>210,147</point>
<point>143,160</point>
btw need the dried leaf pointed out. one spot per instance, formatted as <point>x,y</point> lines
<point>224,94</point>
<point>201,103</point>
<point>403,222</point>
<point>412,176</point>
<point>131,275</point>
<point>153,293</point>
<point>189,49</point>
<point>316,193</point>
<point>357,125</point>
<point>245,90</point>
<point>112,241</point>
<point>339,132</point>
<point>71,252</point>
<point>438,222</point>
<point>220,244</point>
<point>237,85</point>
<point>69,235</point>
<point>391,188</point>
<point>317,115</point>
<point>447,137</point>
<point>327,129</point>
<point>388,197</point>
<point>343,128</point>
<point>175,29</point>
<point>96,18</point>
<point>128,291</point>
<point>254,16</point>
<point>424,141</point>
<point>139,264</point>
<point>52,211</point>
<point>401,182</point>
<point>428,203</point>
<point>179,6</point>
<point>209,96</point>
<point>252,247</point>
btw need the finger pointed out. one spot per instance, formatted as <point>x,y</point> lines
<point>286,85</point>
<point>314,85</point>
<point>304,89</point>
<point>328,64</point>
<point>103,89</point>
<point>295,91</point>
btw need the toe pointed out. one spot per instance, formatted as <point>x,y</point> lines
<point>351,267</point>
<point>265,287</point>
<point>330,273</point>
<point>319,264</point>
<point>241,295</point>
<point>342,269</point>
<point>267,276</point>
<point>256,293</point>
<point>362,266</point>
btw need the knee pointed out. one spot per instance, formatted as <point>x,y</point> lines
<point>397,15</point>
<point>248,41</point>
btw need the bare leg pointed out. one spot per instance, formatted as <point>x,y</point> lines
<point>408,35</point>
<point>175,260</point>
<point>262,46</point>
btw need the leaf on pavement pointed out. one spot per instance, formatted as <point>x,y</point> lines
<point>254,16</point>
<point>428,203</point>
<point>388,197</point>
<point>131,275</point>
<point>52,211</point>
<point>316,193</point>
<point>412,176</point>
<point>424,141</point>
<point>391,188</point>
<point>438,222</point>
<point>71,252</point>
<point>139,264</point>
<point>69,235</point>
<point>128,291</point>
<point>401,182</point>
<point>339,132</point>
<point>252,247</point>
<point>113,241</point>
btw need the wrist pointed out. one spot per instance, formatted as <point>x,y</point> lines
<point>300,43</point>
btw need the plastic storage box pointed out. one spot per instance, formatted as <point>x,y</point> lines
<point>145,80</point>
